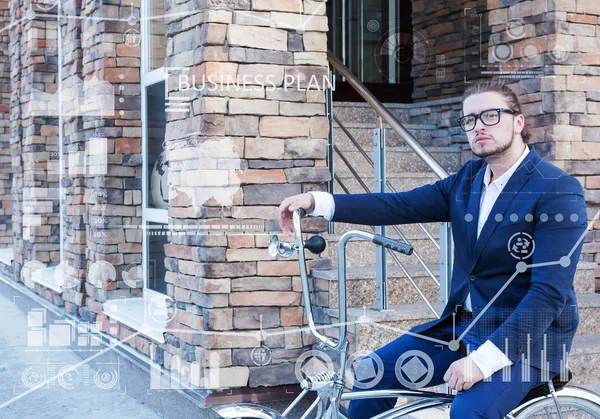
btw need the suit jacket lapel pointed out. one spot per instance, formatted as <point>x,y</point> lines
<point>512,188</point>
<point>474,206</point>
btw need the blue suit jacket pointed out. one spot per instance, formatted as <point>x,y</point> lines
<point>539,219</point>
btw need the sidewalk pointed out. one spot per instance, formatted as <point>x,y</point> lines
<point>75,395</point>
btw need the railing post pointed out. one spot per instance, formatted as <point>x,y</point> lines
<point>380,186</point>
<point>446,258</point>
<point>330,150</point>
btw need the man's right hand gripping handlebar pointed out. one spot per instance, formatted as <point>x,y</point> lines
<point>286,209</point>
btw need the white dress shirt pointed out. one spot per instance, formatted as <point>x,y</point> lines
<point>488,357</point>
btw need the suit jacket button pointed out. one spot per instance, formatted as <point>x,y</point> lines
<point>472,277</point>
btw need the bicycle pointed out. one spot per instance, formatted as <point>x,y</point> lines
<point>551,400</point>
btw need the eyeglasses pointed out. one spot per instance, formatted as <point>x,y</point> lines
<point>489,117</point>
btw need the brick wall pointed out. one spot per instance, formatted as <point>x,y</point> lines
<point>270,143</point>
<point>447,47</point>
<point>34,138</point>
<point>5,159</point>
<point>110,186</point>
<point>558,41</point>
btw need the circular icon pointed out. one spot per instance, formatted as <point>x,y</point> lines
<point>29,270</point>
<point>106,378</point>
<point>133,275</point>
<point>312,362</point>
<point>261,356</point>
<point>63,278</point>
<point>502,52</point>
<point>102,271</point>
<point>414,369</point>
<point>373,25</point>
<point>403,47</point>
<point>131,37</point>
<point>34,376</point>
<point>366,367</point>
<point>516,28</point>
<point>68,377</point>
<point>161,308</point>
<point>521,246</point>
<point>530,51</point>
<point>45,5</point>
<point>558,53</point>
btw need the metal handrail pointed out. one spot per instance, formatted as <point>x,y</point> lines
<point>387,116</point>
<point>370,161</point>
<point>396,229</point>
<point>390,119</point>
<point>401,266</point>
<point>390,186</point>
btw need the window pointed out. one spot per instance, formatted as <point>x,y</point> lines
<point>155,182</point>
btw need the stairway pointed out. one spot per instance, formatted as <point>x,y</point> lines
<point>370,329</point>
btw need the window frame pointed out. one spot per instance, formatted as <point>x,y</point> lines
<point>148,78</point>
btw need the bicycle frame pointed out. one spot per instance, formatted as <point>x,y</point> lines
<point>329,386</point>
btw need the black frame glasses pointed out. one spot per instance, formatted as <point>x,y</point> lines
<point>478,116</point>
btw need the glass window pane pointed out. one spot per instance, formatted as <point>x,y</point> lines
<point>158,167</point>
<point>155,260</point>
<point>158,41</point>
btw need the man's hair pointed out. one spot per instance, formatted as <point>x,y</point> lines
<point>509,96</point>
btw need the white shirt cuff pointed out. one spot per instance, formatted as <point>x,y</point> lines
<point>324,205</point>
<point>489,358</point>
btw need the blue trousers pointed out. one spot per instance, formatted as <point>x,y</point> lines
<point>404,367</point>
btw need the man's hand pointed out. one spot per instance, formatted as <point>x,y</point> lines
<point>289,205</point>
<point>463,374</point>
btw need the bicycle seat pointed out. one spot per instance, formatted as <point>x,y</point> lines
<point>543,389</point>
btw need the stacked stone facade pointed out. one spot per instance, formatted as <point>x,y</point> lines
<point>262,55</point>
<point>558,41</point>
<point>252,74</point>
<point>449,43</point>
<point>5,158</point>
<point>34,136</point>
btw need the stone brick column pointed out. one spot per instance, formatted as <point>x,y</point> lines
<point>558,41</point>
<point>34,136</point>
<point>258,133</point>
<point>5,159</point>
<point>111,202</point>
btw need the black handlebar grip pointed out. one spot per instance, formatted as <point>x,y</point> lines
<point>392,244</point>
<point>316,244</point>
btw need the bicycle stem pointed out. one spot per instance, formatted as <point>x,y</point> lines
<point>341,255</point>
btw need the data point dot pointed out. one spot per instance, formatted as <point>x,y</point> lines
<point>521,267</point>
<point>453,345</point>
<point>565,261</point>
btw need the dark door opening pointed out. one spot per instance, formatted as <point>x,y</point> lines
<point>374,39</point>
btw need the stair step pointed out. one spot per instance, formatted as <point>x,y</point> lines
<point>370,329</point>
<point>397,161</point>
<point>364,135</point>
<point>351,111</point>
<point>361,253</point>
<point>399,183</point>
<point>584,360</point>
<point>361,289</point>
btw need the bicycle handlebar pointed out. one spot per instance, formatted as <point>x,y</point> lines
<point>392,244</point>
<point>316,244</point>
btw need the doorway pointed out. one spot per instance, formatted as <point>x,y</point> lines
<point>374,39</point>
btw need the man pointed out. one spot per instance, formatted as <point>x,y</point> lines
<point>518,224</point>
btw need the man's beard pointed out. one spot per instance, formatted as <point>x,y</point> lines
<point>498,150</point>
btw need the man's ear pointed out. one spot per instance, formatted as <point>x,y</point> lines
<point>519,123</point>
